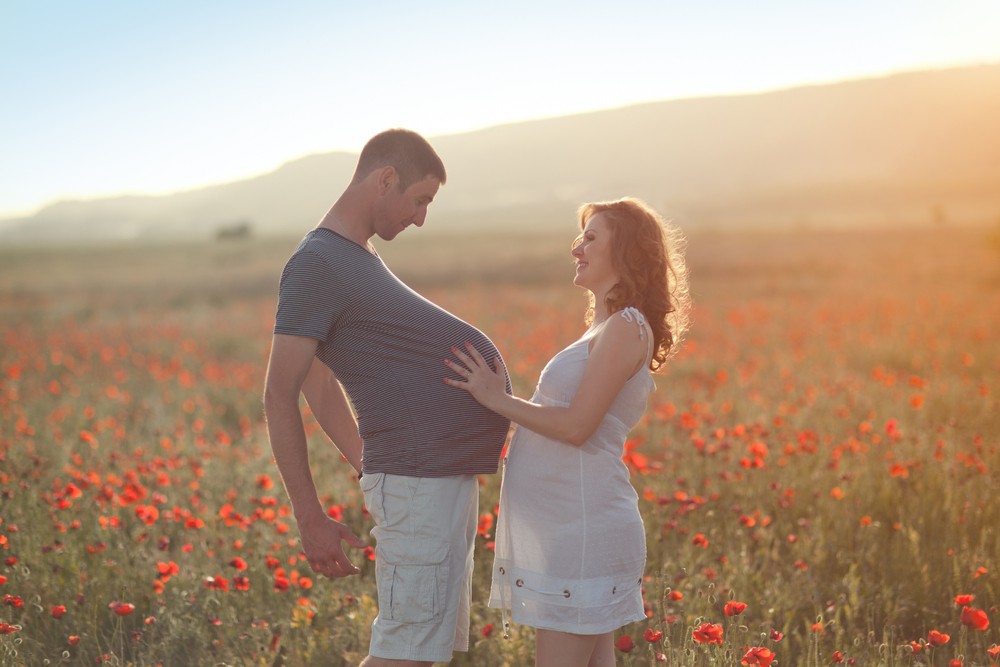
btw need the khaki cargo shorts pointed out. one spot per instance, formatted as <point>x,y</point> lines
<point>425,531</point>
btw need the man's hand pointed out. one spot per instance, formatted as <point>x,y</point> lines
<point>321,542</point>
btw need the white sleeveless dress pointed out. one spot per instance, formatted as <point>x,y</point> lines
<point>570,543</point>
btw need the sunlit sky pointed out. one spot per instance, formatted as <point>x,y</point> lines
<point>102,97</point>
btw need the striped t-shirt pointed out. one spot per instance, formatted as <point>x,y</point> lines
<point>387,345</point>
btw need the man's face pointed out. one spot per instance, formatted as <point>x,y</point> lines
<point>398,209</point>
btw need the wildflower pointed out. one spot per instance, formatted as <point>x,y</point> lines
<point>241,583</point>
<point>624,644</point>
<point>167,570</point>
<point>238,563</point>
<point>776,636</point>
<point>58,611</point>
<point>964,600</point>
<point>217,583</point>
<point>121,608</point>
<point>708,633</point>
<point>700,541</point>
<point>994,651</point>
<point>652,636</point>
<point>7,628</point>
<point>73,640</point>
<point>734,608</point>
<point>13,601</point>
<point>837,657</point>
<point>487,630</point>
<point>676,596</point>
<point>281,583</point>
<point>935,638</point>
<point>485,524</point>
<point>758,655</point>
<point>975,618</point>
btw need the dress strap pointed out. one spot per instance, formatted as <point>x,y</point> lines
<point>633,314</point>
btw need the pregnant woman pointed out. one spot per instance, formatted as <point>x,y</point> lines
<point>570,544</point>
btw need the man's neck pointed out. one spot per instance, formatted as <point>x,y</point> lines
<point>340,219</point>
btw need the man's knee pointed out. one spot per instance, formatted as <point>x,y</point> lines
<point>372,661</point>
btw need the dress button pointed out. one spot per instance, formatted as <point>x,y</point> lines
<point>519,583</point>
<point>614,589</point>
<point>566,594</point>
<point>503,571</point>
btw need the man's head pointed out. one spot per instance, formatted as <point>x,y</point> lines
<point>408,153</point>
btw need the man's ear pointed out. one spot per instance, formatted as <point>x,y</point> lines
<point>387,179</point>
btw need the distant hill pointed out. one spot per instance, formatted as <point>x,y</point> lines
<point>908,149</point>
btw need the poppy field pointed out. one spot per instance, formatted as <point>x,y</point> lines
<point>817,470</point>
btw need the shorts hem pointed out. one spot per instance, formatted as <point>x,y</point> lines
<point>423,655</point>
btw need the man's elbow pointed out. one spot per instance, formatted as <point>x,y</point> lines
<point>275,399</point>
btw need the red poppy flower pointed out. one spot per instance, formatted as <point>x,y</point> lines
<point>776,636</point>
<point>994,651</point>
<point>121,608</point>
<point>58,611</point>
<point>652,636</point>
<point>700,541</point>
<point>487,630</point>
<point>758,655</point>
<point>624,644</point>
<point>73,640</point>
<point>935,638</point>
<point>7,628</point>
<point>167,570</point>
<point>975,618</point>
<point>708,633</point>
<point>837,657</point>
<point>964,600</point>
<point>217,583</point>
<point>734,608</point>
<point>241,583</point>
<point>238,563</point>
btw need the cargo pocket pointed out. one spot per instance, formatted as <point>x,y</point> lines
<point>412,579</point>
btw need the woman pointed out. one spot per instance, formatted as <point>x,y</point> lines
<point>570,546</point>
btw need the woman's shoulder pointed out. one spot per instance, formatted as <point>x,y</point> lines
<point>624,326</point>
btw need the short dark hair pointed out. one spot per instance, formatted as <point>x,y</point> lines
<point>412,156</point>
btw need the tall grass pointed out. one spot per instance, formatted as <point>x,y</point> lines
<point>824,450</point>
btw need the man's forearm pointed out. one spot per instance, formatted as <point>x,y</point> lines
<point>291,454</point>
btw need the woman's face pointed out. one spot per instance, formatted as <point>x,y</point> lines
<point>592,249</point>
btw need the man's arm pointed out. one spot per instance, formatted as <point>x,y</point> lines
<point>287,369</point>
<point>329,405</point>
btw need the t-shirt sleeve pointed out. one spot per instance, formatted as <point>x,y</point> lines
<point>309,297</point>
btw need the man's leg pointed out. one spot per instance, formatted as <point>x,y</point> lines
<point>425,531</point>
<point>386,662</point>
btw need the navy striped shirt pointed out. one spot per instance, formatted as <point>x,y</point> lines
<point>387,345</point>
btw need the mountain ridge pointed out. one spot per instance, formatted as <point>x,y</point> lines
<point>903,149</point>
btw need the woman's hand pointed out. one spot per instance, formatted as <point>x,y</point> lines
<point>487,384</point>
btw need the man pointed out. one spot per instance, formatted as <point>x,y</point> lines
<point>345,323</point>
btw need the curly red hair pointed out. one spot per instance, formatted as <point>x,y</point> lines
<point>648,254</point>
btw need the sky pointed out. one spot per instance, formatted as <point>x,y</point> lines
<point>103,98</point>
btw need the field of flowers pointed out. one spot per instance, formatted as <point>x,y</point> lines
<point>818,469</point>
